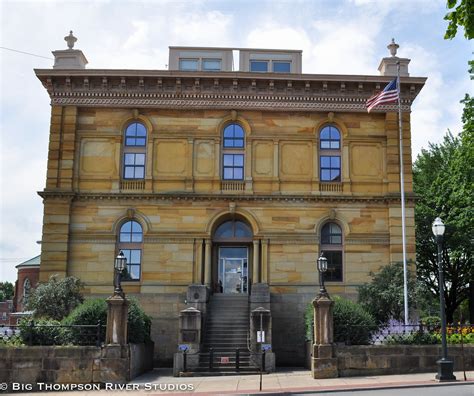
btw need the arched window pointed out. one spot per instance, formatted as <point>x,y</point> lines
<point>233,153</point>
<point>130,242</point>
<point>134,151</point>
<point>233,230</point>
<point>331,245</point>
<point>330,154</point>
<point>26,291</point>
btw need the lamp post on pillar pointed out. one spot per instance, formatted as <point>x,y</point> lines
<point>322,268</point>
<point>117,307</point>
<point>323,362</point>
<point>445,366</point>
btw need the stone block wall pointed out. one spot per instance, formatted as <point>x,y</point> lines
<point>74,364</point>
<point>364,360</point>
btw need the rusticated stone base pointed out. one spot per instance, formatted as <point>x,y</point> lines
<point>324,368</point>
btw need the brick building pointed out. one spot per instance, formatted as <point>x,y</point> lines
<point>234,180</point>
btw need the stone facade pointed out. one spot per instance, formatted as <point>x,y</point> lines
<point>182,198</point>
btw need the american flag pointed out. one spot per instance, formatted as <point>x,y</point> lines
<point>388,95</point>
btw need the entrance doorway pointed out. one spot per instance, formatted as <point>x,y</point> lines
<point>233,269</point>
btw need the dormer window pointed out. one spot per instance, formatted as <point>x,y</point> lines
<point>211,64</point>
<point>188,64</point>
<point>281,67</point>
<point>258,66</point>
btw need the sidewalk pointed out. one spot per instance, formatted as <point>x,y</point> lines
<point>284,381</point>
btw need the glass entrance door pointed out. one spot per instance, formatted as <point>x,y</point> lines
<point>233,269</point>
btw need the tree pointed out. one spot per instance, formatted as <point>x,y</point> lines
<point>383,296</point>
<point>462,15</point>
<point>56,298</point>
<point>443,181</point>
<point>6,289</point>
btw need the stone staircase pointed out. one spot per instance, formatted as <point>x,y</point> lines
<point>226,329</point>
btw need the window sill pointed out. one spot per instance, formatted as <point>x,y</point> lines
<point>132,184</point>
<point>330,186</point>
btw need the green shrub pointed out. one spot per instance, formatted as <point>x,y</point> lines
<point>139,323</point>
<point>44,332</point>
<point>416,338</point>
<point>352,323</point>
<point>91,312</point>
<point>469,338</point>
<point>94,310</point>
<point>431,322</point>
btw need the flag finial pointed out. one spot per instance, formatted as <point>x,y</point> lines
<point>393,47</point>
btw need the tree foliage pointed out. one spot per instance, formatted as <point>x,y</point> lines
<point>443,181</point>
<point>56,298</point>
<point>461,14</point>
<point>383,297</point>
<point>6,290</point>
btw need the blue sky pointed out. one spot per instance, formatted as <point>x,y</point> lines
<point>336,36</point>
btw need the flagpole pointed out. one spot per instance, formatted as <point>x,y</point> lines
<point>402,197</point>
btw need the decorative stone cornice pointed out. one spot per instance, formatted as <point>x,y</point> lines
<point>190,197</point>
<point>222,90</point>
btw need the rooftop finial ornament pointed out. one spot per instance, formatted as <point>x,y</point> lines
<point>393,47</point>
<point>70,40</point>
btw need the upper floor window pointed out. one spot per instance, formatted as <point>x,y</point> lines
<point>330,154</point>
<point>331,245</point>
<point>211,64</point>
<point>188,64</point>
<point>130,243</point>
<point>233,229</point>
<point>330,138</point>
<point>258,66</point>
<point>281,67</point>
<point>134,152</point>
<point>233,156</point>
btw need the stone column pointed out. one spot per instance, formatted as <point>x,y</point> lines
<point>256,262</point>
<point>323,362</point>
<point>264,261</point>
<point>198,273</point>
<point>207,265</point>
<point>117,318</point>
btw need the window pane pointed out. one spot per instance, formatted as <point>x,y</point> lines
<point>325,162</point>
<point>334,134</point>
<point>336,240</point>
<point>242,230</point>
<point>238,143</point>
<point>140,159</point>
<point>335,162</point>
<point>211,64</point>
<point>129,159</point>
<point>228,160</point>
<point>228,142</point>
<point>325,133</point>
<point>281,67</point>
<point>139,173</point>
<point>229,131</point>
<point>325,144</point>
<point>130,141</point>
<point>238,174</point>
<point>335,175</point>
<point>140,142</point>
<point>224,230</point>
<point>228,173</point>
<point>136,227</point>
<point>125,237</point>
<point>188,64</point>
<point>238,160</point>
<point>129,173</point>
<point>334,228</point>
<point>258,66</point>
<point>135,255</point>
<point>325,175</point>
<point>334,272</point>
<point>137,237</point>
<point>141,130</point>
<point>334,144</point>
<point>127,227</point>
<point>134,271</point>
<point>238,131</point>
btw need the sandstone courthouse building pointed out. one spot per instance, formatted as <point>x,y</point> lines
<point>235,178</point>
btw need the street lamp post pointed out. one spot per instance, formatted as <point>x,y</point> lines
<point>119,265</point>
<point>322,268</point>
<point>445,366</point>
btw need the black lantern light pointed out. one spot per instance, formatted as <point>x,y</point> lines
<point>322,268</point>
<point>119,265</point>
